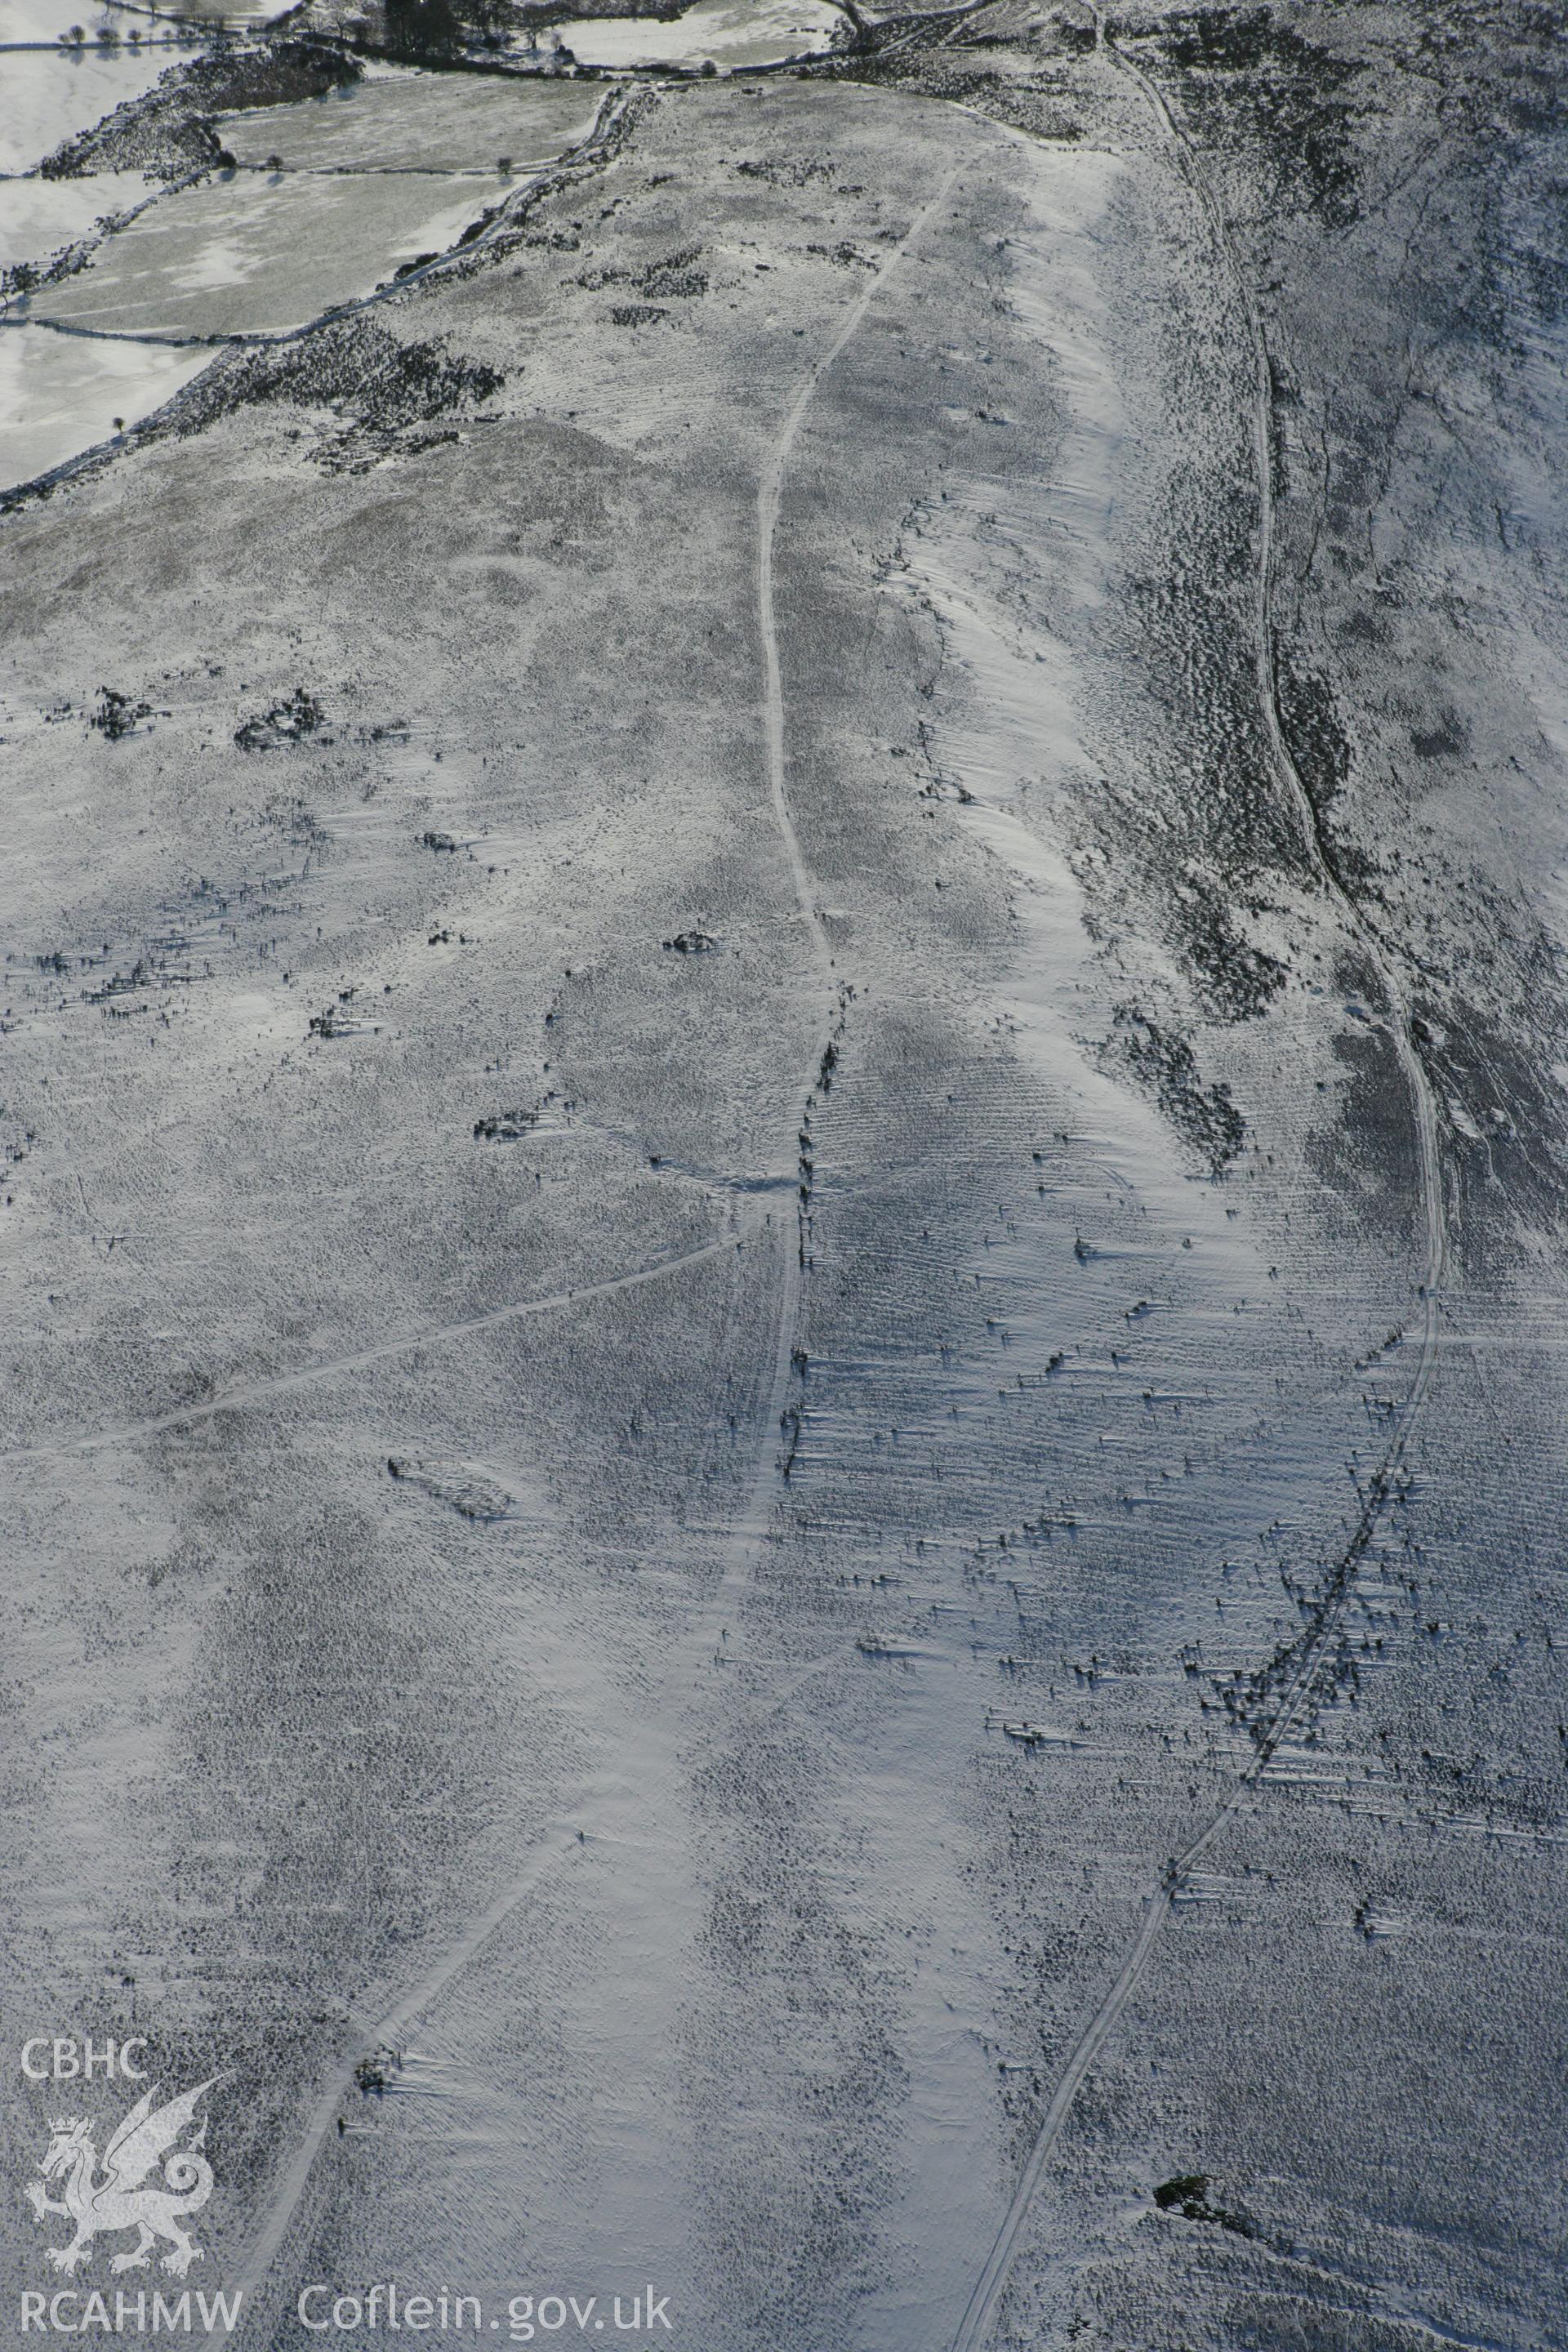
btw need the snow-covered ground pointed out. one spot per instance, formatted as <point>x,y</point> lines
<point>50,95</point>
<point>60,394</point>
<point>331,196</point>
<point>260,253</point>
<point>405,120</point>
<point>732,34</point>
<point>782,1241</point>
<point>24,23</point>
<point>40,218</point>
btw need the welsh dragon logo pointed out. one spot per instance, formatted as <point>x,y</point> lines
<point>124,2197</point>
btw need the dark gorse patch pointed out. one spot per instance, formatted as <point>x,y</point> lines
<point>365,376</point>
<point>293,720</point>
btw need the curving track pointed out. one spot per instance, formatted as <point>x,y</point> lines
<point>975,2328</point>
<point>557,1843</point>
<point>770,491</point>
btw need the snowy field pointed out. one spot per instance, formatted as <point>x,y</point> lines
<point>39,218</point>
<point>61,393</point>
<point>782,1241</point>
<point>405,120</point>
<point>253,255</point>
<point>52,94</point>
<point>735,34</point>
<point>306,207</point>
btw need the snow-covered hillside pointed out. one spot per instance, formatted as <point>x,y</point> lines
<point>781,1240</point>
